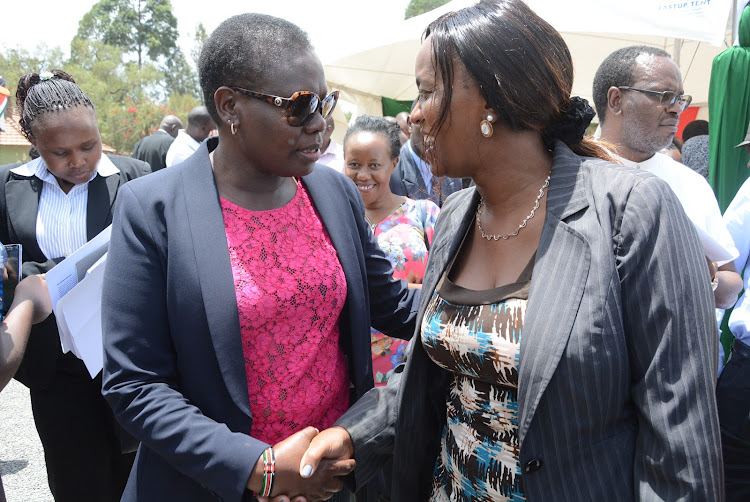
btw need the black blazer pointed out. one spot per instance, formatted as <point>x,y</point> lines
<point>174,371</point>
<point>407,180</point>
<point>618,352</point>
<point>153,149</point>
<point>19,204</point>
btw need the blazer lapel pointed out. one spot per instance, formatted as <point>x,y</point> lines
<point>336,224</point>
<point>22,196</point>
<point>556,293</point>
<point>101,199</point>
<point>209,239</point>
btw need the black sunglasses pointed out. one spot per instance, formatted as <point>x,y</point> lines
<point>300,107</point>
<point>667,99</point>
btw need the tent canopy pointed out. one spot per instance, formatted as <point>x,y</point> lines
<point>592,30</point>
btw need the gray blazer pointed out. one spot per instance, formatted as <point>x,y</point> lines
<point>618,353</point>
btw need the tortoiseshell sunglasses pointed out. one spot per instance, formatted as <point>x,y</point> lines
<point>300,107</point>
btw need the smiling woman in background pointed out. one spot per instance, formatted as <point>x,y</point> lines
<point>402,226</point>
<point>52,206</point>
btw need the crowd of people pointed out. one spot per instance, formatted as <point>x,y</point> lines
<point>473,301</point>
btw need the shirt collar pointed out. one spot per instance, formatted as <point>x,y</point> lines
<point>38,168</point>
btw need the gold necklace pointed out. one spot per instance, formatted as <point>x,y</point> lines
<point>497,237</point>
<point>373,226</point>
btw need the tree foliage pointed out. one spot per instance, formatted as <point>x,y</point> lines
<point>140,27</point>
<point>417,7</point>
<point>126,59</point>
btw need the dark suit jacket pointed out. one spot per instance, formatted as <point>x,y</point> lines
<point>153,149</point>
<point>618,352</point>
<point>407,180</point>
<point>19,203</point>
<point>174,371</point>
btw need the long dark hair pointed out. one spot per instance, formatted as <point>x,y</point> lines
<point>521,63</point>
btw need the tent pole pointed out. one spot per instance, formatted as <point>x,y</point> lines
<point>676,51</point>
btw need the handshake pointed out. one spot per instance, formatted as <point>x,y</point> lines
<point>305,467</point>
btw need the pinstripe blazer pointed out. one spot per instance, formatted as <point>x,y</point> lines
<point>618,352</point>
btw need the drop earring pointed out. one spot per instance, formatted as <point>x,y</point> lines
<point>485,126</point>
<point>231,127</point>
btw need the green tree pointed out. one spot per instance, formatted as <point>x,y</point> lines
<point>140,27</point>
<point>198,40</point>
<point>16,62</point>
<point>417,7</point>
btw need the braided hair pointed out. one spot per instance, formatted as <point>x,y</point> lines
<point>38,94</point>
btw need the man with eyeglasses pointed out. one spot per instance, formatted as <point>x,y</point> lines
<point>639,98</point>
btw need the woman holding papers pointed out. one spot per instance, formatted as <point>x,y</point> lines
<point>52,206</point>
<point>247,278</point>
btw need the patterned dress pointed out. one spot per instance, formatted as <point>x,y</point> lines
<point>404,237</point>
<point>290,291</point>
<point>476,335</point>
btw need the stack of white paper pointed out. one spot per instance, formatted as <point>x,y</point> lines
<point>75,288</point>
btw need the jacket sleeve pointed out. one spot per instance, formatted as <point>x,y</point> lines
<point>672,347</point>
<point>140,377</point>
<point>393,306</point>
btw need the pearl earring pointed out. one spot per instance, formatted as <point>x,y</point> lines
<point>485,126</point>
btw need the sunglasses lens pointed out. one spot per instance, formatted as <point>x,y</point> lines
<point>302,108</point>
<point>329,103</point>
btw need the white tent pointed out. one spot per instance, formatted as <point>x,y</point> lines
<point>592,31</point>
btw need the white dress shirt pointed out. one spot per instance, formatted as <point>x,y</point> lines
<point>333,157</point>
<point>61,217</point>
<point>181,148</point>
<point>737,219</point>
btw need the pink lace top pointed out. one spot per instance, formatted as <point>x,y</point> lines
<point>290,291</point>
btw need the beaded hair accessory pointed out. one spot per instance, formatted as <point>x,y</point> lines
<point>45,75</point>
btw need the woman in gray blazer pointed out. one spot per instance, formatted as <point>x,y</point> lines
<point>567,337</point>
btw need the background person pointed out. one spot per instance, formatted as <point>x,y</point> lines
<point>332,153</point>
<point>567,352</point>
<point>639,98</point>
<point>733,389</point>
<point>52,206</point>
<point>31,305</point>
<point>199,127</point>
<point>402,226</point>
<point>153,148</point>
<point>413,176</point>
<point>252,282</point>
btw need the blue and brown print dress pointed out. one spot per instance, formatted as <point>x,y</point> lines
<point>476,335</point>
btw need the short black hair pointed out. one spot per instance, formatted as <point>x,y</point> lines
<point>377,125</point>
<point>617,70</point>
<point>40,93</point>
<point>695,128</point>
<point>242,50</point>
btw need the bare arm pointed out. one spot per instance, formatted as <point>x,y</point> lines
<point>729,286</point>
<point>31,305</point>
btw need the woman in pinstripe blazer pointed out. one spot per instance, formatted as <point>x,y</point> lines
<point>571,357</point>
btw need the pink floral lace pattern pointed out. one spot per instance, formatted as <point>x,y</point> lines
<point>290,291</point>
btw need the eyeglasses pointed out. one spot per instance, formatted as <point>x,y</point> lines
<point>667,99</point>
<point>300,107</point>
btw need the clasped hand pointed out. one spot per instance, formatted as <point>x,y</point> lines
<point>309,466</point>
